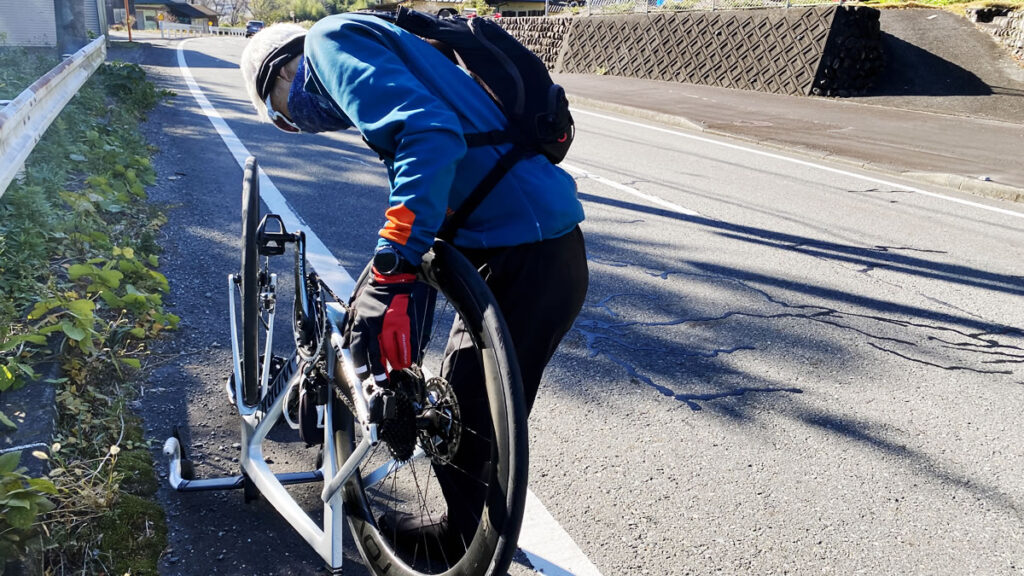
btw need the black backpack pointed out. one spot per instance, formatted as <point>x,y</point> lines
<point>516,79</point>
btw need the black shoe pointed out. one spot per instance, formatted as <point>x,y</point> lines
<point>420,538</point>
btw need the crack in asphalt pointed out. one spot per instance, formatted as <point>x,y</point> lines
<point>927,363</point>
<point>878,191</point>
<point>909,249</point>
<point>691,399</point>
<point>601,336</point>
<point>1010,358</point>
<point>613,263</point>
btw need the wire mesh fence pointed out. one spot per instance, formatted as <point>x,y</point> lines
<point>593,7</point>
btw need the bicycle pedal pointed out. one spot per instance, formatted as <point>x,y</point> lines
<point>272,243</point>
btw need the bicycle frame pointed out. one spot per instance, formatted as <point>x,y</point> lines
<point>258,419</point>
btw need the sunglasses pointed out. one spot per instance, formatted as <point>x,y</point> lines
<point>280,120</point>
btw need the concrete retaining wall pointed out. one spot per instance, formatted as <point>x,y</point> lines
<point>1006,26</point>
<point>825,50</point>
<point>544,36</point>
<point>853,56</point>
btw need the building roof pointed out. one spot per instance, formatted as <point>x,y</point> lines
<point>206,10</point>
<point>187,10</point>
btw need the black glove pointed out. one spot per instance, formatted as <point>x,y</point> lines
<point>392,323</point>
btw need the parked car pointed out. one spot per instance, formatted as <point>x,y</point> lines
<point>252,27</point>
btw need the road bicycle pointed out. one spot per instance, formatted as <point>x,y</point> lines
<point>430,466</point>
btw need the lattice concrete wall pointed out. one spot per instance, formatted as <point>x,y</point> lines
<point>778,51</point>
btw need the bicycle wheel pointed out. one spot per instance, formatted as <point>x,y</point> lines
<point>461,414</point>
<point>249,287</point>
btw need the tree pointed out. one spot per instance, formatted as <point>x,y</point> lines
<point>265,10</point>
<point>483,8</point>
<point>340,6</point>
<point>306,9</point>
<point>239,11</point>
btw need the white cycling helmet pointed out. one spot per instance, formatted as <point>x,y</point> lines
<point>267,51</point>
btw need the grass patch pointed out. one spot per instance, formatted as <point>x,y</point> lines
<point>79,283</point>
<point>956,6</point>
<point>134,535</point>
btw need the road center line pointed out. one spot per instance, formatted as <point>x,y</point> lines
<point>809,164</point>
<point>547,545</point>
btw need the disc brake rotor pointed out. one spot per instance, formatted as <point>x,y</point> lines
<point>440,426</point>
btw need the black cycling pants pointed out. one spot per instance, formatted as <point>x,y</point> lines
<point>540,289</point>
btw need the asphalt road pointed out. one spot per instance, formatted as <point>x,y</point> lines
<point>781,367</point>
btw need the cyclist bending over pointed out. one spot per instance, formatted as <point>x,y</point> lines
<point>413,106</point>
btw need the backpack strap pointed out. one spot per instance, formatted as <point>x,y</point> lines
<point>489,181</point>
<point>492,138</point>
<point>505,163</point>
<point>475,139</point>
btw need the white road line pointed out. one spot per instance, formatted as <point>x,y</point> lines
<point>809,164</point>
<point>544,542</point>
<point>320,258</point>
<point>650,198</point>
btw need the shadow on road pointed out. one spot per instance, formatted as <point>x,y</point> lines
<point>889,257</point>
<point>754,348</point>
<point>677,337</point>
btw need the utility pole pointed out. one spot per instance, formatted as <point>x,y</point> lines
<point>128,20</point>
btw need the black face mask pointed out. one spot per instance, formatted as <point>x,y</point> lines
<point>312,112</point>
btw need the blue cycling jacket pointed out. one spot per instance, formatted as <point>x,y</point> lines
<point>408,99</point>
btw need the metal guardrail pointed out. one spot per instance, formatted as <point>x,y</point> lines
<point>24,121</point>
<point>225,31</point>
<point>174,30</point>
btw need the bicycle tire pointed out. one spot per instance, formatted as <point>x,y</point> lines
<point>490,549</point>
<point>249,287</point>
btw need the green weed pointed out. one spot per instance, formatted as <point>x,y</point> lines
<point>79,280</point>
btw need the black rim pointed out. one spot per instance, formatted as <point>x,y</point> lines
<point>250,283</point>
<point>495,479</point>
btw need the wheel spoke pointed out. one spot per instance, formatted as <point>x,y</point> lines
<point>390,467</point>
<point>465,423</point>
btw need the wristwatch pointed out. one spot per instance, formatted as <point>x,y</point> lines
<point>387,261</point>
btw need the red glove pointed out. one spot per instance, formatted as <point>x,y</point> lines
<point>383,337</point>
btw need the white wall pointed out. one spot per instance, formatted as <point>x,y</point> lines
<point>28,23</point>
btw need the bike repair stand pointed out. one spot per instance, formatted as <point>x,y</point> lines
<point>256,477</point>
